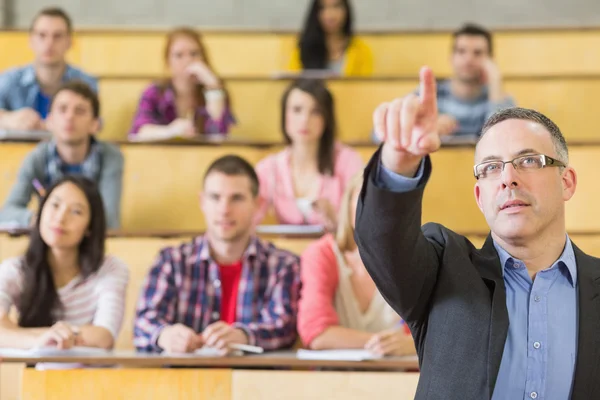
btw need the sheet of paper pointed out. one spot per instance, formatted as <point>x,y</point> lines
<point>212,352</point>
<point>53,352</point>
<point>9,134</point>
<point>290,229</point>
<point>337,355</point>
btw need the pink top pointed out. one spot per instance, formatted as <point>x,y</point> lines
<point>327,297</point>
<point>319,277</point>
<point>277,190</point>
<point>99,300</point>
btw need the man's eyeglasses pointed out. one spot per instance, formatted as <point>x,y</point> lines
<point>532,162</point>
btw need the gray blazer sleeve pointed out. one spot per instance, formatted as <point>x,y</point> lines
<point>15,209</point>
<point>110,185</point>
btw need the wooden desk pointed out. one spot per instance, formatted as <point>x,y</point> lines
<point>214,384</point>
<point>142,376</point>
<point>278,359</point>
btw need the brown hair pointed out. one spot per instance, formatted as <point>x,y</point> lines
<point>200,101</point>
<point>234,165</point>
<point>474,30</point>
<point>55,12</point>
<point>344,236</point>
<point>319,92</point>
<point>82,89</point>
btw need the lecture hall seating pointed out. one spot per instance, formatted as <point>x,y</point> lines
<point>533,63</point>
<point>167,197</point>
<point>535,69</point>
<point>139,261</point>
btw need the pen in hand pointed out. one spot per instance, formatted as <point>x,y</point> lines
<point>39,187</point>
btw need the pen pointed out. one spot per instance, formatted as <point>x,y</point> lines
<point>39,187</point>
<point>247,348</point>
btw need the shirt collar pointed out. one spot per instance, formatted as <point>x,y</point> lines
<point>93,142</point>
<point>566,259</point>
<point>28,76</point>
<point>203,248</point>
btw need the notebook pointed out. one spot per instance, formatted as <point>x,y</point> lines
<point>290,229</point>
<point>337,355</point>
<point>10,134</point>
<point>54,352</point>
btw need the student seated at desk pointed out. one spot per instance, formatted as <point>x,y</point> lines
<point>191,101</point>
<point>327,42</point>
<point>73,120</point>
<point>66,290</point>
<point>474,91</point>
<point>25,92</point>
<point>340,307</point>
<point>304,183</point>
<point>226,286</point>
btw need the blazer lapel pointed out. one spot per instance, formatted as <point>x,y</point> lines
<point>585,385</point>
<point>491,272</point>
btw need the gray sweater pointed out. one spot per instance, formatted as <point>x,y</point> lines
<point>34,166</point>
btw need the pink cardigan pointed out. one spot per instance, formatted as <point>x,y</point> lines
<point>319,277</point>
<point>277,191</point>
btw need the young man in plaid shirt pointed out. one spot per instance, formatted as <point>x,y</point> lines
<point>226,286</point>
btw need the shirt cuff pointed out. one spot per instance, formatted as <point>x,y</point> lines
<point>155,336</point>
<point>389,180</point>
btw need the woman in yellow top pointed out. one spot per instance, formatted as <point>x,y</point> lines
<point>327,42</point>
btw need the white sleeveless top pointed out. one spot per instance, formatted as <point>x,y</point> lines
<point>378,317</point>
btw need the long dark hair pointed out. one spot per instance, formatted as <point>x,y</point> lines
<point>313,50</point>
<point>39,303</point>
<point>319,92</point>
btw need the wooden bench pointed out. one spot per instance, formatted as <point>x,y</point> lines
<point>166,197</point>
<point>136,53</point>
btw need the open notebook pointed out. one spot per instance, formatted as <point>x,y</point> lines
<point>10,134</point>
<point>290,229</point>
<point>337,355</point>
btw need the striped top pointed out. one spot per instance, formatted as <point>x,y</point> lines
<point>98,300</point>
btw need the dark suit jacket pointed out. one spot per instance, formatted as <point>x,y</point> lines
<point>452,295</point>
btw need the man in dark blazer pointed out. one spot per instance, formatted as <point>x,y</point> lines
<point>516,319</point>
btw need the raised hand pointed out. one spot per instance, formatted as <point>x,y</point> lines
<point>203,74</point>
<point>408,127</point>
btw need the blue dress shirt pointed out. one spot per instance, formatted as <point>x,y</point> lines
<point>541,346</point>
<point>19,87</point>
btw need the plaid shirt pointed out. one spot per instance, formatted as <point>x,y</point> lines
<point>158,106</point>
<point>184,287</point>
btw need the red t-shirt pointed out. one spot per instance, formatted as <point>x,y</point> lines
<point>230,282</point>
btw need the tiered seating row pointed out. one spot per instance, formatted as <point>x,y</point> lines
<point>256,104</point>
<point>135,53</point>
<point>161,185</point>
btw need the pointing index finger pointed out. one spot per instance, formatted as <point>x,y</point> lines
<point>428,90</point>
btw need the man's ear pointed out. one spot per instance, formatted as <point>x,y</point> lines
<point>95,126</point>
<point>569,183</point>
<point>477,192</point>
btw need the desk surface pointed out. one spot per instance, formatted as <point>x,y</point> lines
<point>284,359</point>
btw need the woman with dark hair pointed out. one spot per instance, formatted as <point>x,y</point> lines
<point>327,42</point>
<point>192,101</point>
<point>304,183</point>
<point>66,291</point>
